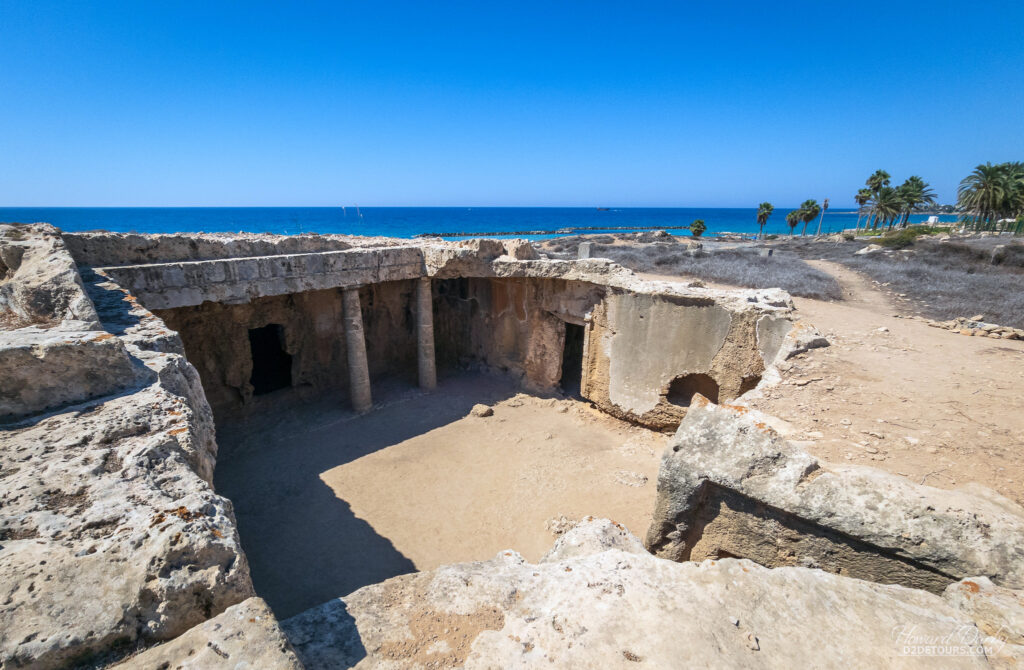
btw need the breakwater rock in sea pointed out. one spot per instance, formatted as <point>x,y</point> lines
<point>557,231</point>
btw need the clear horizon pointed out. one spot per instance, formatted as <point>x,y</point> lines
<point>402,104</point>
<point>833,209</point>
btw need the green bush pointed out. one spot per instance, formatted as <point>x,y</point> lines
<point>903,238</point>
<point>900,239</point>
<point>698,227</point>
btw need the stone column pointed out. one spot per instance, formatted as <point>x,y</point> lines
<point>358,370</point>
<point>425,333</point>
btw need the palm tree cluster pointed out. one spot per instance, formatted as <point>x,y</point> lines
<point>806,213</point>
<point>991,194</point>
<point>891,205</point>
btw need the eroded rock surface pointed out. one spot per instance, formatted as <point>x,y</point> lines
<point>608,604</point>
<point>245,635</point>
<point>52,352</point>
<point>730,486</point>
<point>49,368</point>
<point>110,534</point>
<point>38,281</point>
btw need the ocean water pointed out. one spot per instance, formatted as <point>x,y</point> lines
<point>409,221</point>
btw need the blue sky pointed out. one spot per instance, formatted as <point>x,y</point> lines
<point>554,103</point>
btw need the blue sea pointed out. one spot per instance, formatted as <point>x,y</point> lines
<point>411,221</point>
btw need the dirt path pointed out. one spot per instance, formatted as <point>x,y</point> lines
<point>858,290</point>
<point>895,393</point>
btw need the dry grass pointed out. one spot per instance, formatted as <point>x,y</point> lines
<point>943,279</point>
<point>737,267</point>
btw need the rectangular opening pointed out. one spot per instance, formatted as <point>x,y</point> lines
<point>572,360</point>
<point>271,364</point>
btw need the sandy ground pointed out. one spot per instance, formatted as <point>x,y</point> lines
<point>930,404</point>
<point>328,501</point>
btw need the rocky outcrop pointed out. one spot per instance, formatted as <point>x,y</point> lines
<point>52,352</point>
<point>245,635</point>
<point>111,536</point>
<point>997,611</point>
<point>51,368</point>
<point>597,600</point>
<point>38,281</point>
<point>730,486</point>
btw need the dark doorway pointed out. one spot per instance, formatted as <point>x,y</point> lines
<point>271,364</point>
<point>749,383</point>
<point>682,388</point>
<point>572,359</point>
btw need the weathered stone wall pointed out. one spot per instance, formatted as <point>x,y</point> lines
<point>640,343</point>
<point>240,280</point>
<point>637,342</point>
<point>511,325</point>
<point>99,249</point>
<point>216,338</point>
<point>649,345</point>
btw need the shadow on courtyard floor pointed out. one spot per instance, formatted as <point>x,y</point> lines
<point>304,544</point>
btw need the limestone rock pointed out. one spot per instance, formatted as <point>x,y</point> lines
<point>111,536</point>
<point>998,614</point>
<point>799,337</point>
<point>38,281</point>
<point>47,369</point>
<point>870,249</point>
<point>521,250</point>
<point>996,610</point>
<point>245,635</point>
<point>730,486</point>
<point>100,249</point>
<point>603,607</point>
<point>108,534</point>
<point>592,536</point>
<point>481,410</point>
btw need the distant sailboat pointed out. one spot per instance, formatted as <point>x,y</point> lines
<point>360,214</point>
<point>343,212</point>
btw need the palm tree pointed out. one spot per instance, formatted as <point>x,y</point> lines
<point>876,182</point>
<point>862,198</point>
<point>914,192</point>
<point>764,212</point>
<point>985,192</point>
<point>888,206</point>
<point>824,208</point>
<point>1015,197</point>
<point>808,211</point>
<point>792,219</point>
